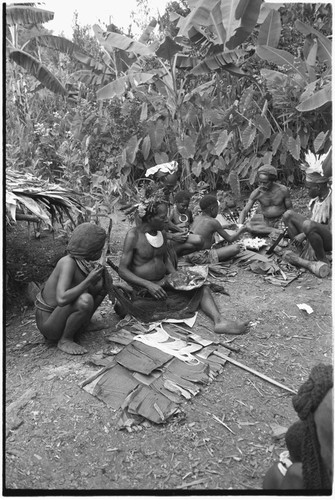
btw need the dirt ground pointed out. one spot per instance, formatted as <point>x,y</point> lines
<point>60,438</point>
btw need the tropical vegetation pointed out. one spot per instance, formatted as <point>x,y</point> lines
<point>220,86</point>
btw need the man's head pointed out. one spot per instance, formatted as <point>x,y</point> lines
<point>156,216</point>
<point>209,205</point>
<point>182,201</point>
<point>87,241</point>
<point>267,174</point>
<point>316,185</point>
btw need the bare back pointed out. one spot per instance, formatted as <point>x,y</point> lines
<point>206,227</point>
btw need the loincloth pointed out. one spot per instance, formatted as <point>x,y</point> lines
<point>276,222</point>
<point>178,304</point>
<point>42,305</point>
<point>208,256</point>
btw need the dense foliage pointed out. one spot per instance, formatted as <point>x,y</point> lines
<point>220,97</point>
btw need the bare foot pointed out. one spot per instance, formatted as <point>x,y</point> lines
<point>227,327</point>
<point>70,347</point>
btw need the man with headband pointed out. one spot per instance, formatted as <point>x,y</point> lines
<point>274,199</point>
<point>74,289</point>
<point>316,231</point>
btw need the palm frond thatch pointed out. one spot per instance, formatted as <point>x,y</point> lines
<point>32,195</point>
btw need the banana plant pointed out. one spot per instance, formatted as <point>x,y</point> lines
<point>27,56</point>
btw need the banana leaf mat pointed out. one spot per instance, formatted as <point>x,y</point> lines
<point>154,374</point>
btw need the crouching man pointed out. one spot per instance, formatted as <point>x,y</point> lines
<point>74,290</point>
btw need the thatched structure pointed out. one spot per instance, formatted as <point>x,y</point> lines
<point>36,200</point>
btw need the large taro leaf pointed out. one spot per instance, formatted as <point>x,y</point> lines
<point>247,12</point>
<point>113,41</point>
<point>317,100</point>
<point>186,147</point>
<point>283,59</point>
<point>294,147</point>
<point>270,29</point>
<point>263,125</point>
<point>146,144</point>
<point>325,45</point>
<point>319,141</point>
<point>248,136</point>
<point>131,149</point>
<point>20,14</point>
<point>223,141</point>
<point>36,69</point>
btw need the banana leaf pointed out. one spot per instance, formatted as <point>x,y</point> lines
<point>270,29</point>
<point>325,45</point>
<point>36,69</point>
<point>317,100</point>
<point>19,14</point>
<point>283,59</point>
<point>118,87</point>
<point>247,12</point>
<point>113,41</point>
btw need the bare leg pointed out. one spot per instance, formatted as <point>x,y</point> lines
<point>293,222</point>
<point>209,307</point>
<point>227,252</point>
<point>192,244</point>
<point>320,239</point>
<point>64,322</point>
<point>96,325</point>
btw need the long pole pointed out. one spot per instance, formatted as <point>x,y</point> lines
<point>251,370</point>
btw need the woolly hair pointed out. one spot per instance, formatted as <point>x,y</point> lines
<point>182,196</point>
<point>309,396</point>
<point>293,440</point>
<point>207,201</point>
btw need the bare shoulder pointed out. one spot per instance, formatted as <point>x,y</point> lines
<point>131,236</point>
<point>66,262</point>
<point>282,188</point>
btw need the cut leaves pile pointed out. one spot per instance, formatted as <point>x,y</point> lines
<point>28,194</point>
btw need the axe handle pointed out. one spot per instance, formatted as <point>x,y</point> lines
<point>273,246</point>
<point>251,370</point>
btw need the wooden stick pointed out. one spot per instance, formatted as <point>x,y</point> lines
<point>251,370</point>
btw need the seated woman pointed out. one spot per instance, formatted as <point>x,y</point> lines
<point>145,265</point>
<point>310,440</point>
<point>74,290</point>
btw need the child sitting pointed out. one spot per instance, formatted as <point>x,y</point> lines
<point>181,216</point>
<point>179,222</point>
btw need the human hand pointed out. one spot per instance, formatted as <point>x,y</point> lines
<point>156,290</point>
<point>180,237</point>
<point>298,240</point>
<point>95,275</point>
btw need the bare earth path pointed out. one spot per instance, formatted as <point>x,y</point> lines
<point>59,437</point>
